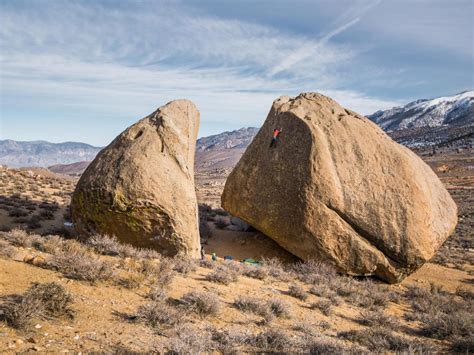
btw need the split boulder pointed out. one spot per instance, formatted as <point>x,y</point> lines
<point>140,188</point>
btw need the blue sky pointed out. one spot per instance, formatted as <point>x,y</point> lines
<point>85,70</point>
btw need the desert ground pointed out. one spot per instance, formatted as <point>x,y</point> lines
<point>61,294</point>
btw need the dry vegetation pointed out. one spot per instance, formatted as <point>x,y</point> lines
<point>314,309</point>
<point>59,293</point>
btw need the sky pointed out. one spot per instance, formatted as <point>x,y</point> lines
<point>86,70</point>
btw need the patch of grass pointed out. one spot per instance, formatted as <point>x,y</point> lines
<point>202,303</point>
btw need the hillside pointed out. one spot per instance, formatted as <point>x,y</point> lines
<point>42,153</point>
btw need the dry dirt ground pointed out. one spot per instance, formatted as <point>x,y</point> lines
<point>117,307</point>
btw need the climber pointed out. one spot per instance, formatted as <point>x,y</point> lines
<point>275,138</point>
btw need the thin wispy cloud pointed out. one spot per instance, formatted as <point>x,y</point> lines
<point>97,59</point>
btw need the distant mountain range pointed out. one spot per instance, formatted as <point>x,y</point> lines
<point>454,110</point>
<point>447,120</point>
<point>41,153</point>
<point>442,121</point>
<point>240,138</point>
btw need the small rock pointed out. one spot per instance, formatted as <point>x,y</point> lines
<point>38,261</point>
<point>19,341</point>
<point>77,337</point>
<point>38,326</point>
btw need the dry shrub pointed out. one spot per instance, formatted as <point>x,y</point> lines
<point>159,314</point>
<point>55,299</point>
<point>20,238</point>
<point>52,244</point>
<point>163,273</point>
<point>76,262</point>
<point>105,245</point>
<point>253,305</point>
<point>47,214</point>
<point>279,308</point>
<point>325,291</point>
<point>223,274</point>
<point>184,265</point>
<point>227,339</point>
<point>20,313</point>
<point>326,345</point>
<point>273,339</point>
<point>34,222</point>
<point>109,245</point>
<point>297,291</point>
<point>221,223</point>
<point>324,305</point>
<point>208,264</point>
<point>187,339</point>
<point>202,303</point>
<point>40,300</point>
<point>379,318</point>
<point>17,212</point>
<point>378,339</point>
<point>441,314</point>
<point>314,272</point>
<point>6,249</point>
<point>157,293</point>
<point>275,269</point>
<point>255,271</point>
<point>132,280</point>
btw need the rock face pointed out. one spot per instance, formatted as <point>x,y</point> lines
<point>141,187</point>
<point>337,188</point>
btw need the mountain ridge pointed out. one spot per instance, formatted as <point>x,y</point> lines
<point>420,123</point>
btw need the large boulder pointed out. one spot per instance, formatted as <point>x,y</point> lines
<point>337,188</point>
<point>140,188</point>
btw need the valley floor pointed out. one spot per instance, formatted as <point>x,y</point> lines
<point>124,299</point>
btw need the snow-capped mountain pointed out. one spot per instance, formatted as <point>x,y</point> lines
<point>448,110</point>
